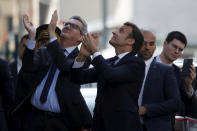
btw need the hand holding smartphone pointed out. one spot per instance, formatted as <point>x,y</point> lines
<point>186,67</point>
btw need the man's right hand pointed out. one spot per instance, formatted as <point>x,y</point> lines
<point>82,54</point>
<point>52,25</point>
<point>29,27</point>
<point>84,51</point>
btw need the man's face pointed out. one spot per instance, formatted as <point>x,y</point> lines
<point>173,50</point>
<point>120,35</point>
<point>72,30</point>
<point>148,47</point>
<point>43,43</point>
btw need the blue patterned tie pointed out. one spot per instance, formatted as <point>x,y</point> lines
<point>48,82</point>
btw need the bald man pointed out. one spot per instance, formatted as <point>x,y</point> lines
<point>157,100</point>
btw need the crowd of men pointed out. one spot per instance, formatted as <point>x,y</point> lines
<point>135,90</point>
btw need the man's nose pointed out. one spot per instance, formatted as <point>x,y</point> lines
<point>147,46</point>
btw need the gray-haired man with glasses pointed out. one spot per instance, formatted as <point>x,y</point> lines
<point>56,103</point>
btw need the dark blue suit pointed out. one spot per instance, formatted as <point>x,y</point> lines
<point>161,97</point>
<point>6,93</point>
<point>118,88</point>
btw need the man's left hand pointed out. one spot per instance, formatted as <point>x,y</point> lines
<point>142,110</point>
<point>189,79</point>
<point>52,25</point>
<point>90,41</point>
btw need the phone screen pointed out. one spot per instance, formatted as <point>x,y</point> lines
<point>186,66</point>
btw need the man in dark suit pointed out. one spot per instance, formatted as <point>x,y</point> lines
<point>172,49</point>
<point>15,67</point>
<point>157,100</point>
<point>6,94</point>
<point>191,110</point>
<point>17,64</point>
<point>119,81</point>
<point>59,106</point>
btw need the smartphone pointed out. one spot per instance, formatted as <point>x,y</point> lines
<point>186,66</point>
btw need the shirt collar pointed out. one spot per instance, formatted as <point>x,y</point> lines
<point>148,62</point>
<point>120,56</point>
<point>70,49</point>
<point>19,61</point>
<point>159,60</point>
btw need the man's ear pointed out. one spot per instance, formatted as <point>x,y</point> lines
<point>80,39</point>
<point>165,44</point>
<point>130,41</point>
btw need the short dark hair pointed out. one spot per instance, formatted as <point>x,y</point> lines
<point>136,34</point>
<point>42,32</point>
<point>176,35</point>
<point>84,28</point>
<point>26,36</point>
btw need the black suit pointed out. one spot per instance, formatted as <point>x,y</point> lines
<point>74,111</point>
<point>191,105</point>
<point>186,101</point>
<point>6,93</point>
<point>161,97</point>
<point>117,92</point>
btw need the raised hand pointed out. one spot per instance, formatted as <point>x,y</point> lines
<point>29,27</point>
<point>90,42</point>
<point>189,79</point>
<point>53,24</point>
<point>142,110</point>
<point>84,51</point>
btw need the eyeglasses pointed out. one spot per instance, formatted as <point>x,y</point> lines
<point>176,47</point>
<point>72,25</point>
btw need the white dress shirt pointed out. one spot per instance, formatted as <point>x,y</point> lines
<point>147,63</point>
<point>51,103</point>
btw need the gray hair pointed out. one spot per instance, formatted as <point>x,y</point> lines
<point>84,28</point>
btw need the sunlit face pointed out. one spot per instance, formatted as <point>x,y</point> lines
<point>43,43</point>
<point>71,30</point>
<point>120,35</point>
<point>148,47</point>
<point>173,50</point>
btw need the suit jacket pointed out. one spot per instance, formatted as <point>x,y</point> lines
<point>160,96</point>
<point>13,68</point>
<point>191,106</point>
<point>6,93</point>
<point>117,92</point>
<point>71,101</point>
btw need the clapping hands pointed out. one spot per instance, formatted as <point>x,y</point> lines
<point>29,27</point>
<point>89,44</point>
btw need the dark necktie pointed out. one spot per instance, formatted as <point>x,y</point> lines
<point>113,60</point>
<point>48,82</point>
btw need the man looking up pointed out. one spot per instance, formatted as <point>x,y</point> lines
<point>55,103</point>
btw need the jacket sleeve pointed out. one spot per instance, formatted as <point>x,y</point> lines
<point>129,71</point>
<point>34,62</point>
<point>62,62</point>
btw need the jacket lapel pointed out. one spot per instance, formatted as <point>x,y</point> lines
<point>74,53</point>
<point>150,78</point>
<point>129,55</point>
